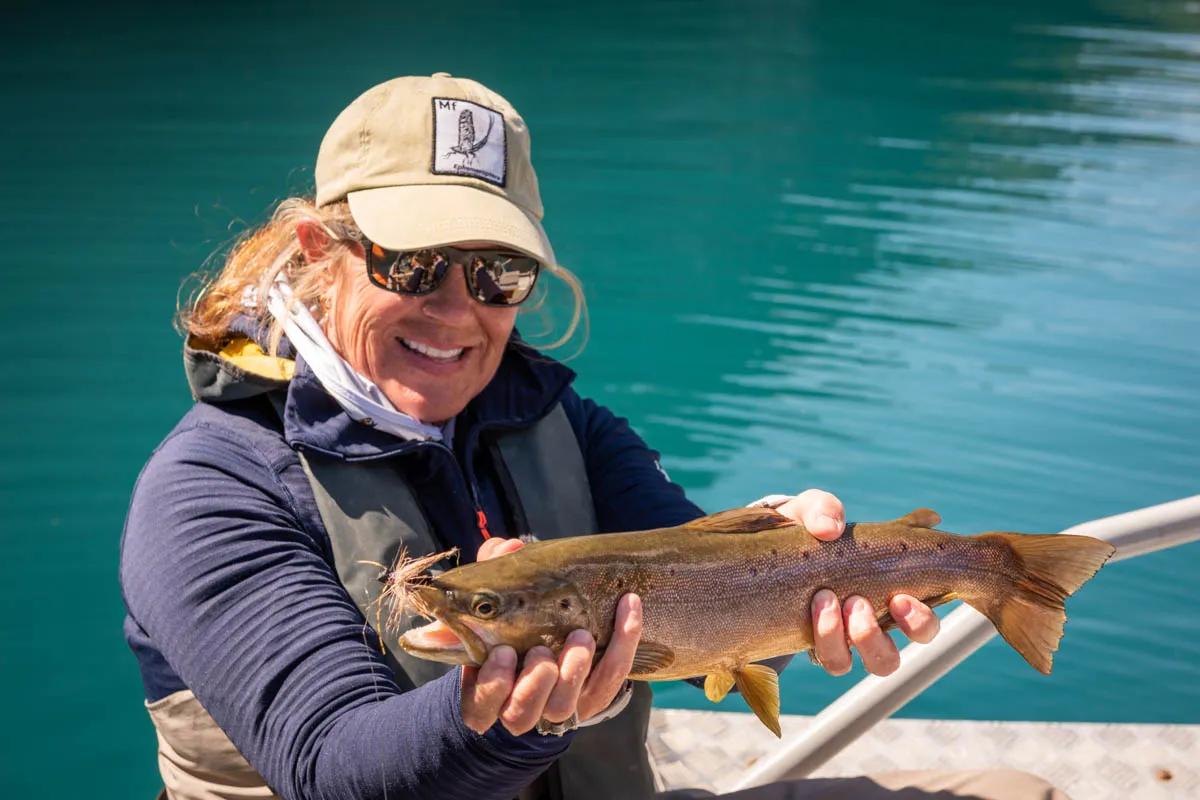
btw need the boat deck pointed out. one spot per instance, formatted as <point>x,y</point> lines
<point>712,749</point>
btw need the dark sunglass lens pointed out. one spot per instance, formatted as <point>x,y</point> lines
<point>417,272</point>
<point>501,279</point>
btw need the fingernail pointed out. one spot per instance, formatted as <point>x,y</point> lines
<point>831,523</point>
<point>861,607</point>
<point>902,605</point>
<point>822,600</point>
<point>504,656</point>
<point>579,636</point>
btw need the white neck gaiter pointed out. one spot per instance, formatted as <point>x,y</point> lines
<point>359,396</point>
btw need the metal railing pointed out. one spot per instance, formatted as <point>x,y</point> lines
<point>963,632</point>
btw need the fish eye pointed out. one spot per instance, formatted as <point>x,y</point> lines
<point>485,605</point>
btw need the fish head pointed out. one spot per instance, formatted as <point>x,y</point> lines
<point>481,606</point>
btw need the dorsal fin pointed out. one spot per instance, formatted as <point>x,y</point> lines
<point>741,520</point>
<point>921,518</point>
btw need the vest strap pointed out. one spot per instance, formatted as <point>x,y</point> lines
<point>548,451</point>
<point>371,516</point>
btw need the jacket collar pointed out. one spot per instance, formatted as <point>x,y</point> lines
<point>525,388</point>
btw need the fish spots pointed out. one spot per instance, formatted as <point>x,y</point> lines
<point>774,551</point>
<point>804,554</point>
<point>754,572</point>
<point>904,547</point>
<point>941,545</point>
<point>565,604</point>
<point>520,602</point>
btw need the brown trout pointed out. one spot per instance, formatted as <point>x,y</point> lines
<point>725,591</point>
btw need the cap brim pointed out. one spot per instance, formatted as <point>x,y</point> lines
<point>427,215</point>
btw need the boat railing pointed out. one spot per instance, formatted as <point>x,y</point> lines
<point>963,631</point>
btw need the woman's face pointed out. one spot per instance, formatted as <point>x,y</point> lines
<point>429,354</point>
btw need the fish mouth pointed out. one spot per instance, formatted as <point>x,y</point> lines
<point>449,639</point>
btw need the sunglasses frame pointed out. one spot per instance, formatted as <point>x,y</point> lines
<point>452,255</point>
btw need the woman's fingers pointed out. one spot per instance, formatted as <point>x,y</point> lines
<point>829,635</point>
<point>609,674</point>
<point>573,665</point>
<point>820,512</point>
<point>497,547</point>
<point>914,618</point>
<point>838,627</point>
<point>485,688</point>
<point>876,649</point>
<point>524,705</point>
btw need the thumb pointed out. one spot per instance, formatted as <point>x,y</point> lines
<point>494,547</point>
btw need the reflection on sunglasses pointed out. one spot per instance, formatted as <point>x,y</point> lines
<point>494,277</point>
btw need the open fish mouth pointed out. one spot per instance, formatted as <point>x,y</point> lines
<point>449,640</point>
<point>409,588</point>
<point>437,642</point>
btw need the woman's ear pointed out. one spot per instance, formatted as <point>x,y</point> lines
<point>314,241</point>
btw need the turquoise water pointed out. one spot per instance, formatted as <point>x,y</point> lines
<point>940,254</point>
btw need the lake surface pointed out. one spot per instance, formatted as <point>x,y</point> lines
<point>917,254</point>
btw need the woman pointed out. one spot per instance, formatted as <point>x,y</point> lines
<point>346,411</point>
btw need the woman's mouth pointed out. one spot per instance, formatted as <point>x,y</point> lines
<point>439,355</point>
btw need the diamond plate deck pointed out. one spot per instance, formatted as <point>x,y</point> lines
<point>1090,761</point>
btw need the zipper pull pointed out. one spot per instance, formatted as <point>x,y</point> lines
<point>481,518</point>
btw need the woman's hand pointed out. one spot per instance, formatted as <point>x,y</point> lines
<point>838,626</point>
<point>547,687</point>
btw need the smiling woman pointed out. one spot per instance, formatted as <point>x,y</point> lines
<point>446,347</point>
<point>361,393</point>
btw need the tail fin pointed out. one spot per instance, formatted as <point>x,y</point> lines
<point>1029,614</point>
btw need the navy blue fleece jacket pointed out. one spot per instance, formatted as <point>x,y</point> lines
<point>231,592</point>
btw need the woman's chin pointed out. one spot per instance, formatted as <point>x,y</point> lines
<point>429,409</point>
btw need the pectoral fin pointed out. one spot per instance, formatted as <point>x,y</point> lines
<point>741,520</point>
<point>717,685</point>
<point>651,657</point>
<point>922,518</point>
<point>759,685</point>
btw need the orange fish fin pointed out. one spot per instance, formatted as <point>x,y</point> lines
<point>1029,614</point>
<point>921,518</point>
<point>741,520</point>
<point>717,685</point>
<point>759,686</point>
<point>651,657</point>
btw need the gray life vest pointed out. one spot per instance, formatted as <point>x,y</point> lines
<point>371,514</point>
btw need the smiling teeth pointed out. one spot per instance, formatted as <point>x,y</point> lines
<point>433,352</point>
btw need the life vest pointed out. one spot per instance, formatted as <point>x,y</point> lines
<point>371,513</point>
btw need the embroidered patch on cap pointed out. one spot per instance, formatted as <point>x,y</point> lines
<point>468,139</point>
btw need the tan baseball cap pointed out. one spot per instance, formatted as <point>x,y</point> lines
<point>432,161</point>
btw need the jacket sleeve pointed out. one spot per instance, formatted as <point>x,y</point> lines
<point>630,488</point>
<point>246,608</point>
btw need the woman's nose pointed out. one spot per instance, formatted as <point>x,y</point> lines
<point>450,301</point>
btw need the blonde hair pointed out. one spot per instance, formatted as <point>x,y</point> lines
<point>254,262</point>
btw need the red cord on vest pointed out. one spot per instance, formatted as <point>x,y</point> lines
<point>482,519</point>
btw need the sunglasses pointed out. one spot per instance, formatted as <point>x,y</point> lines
<point>494,277</point>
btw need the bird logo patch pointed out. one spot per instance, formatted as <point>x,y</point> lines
<point>468,139</point>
